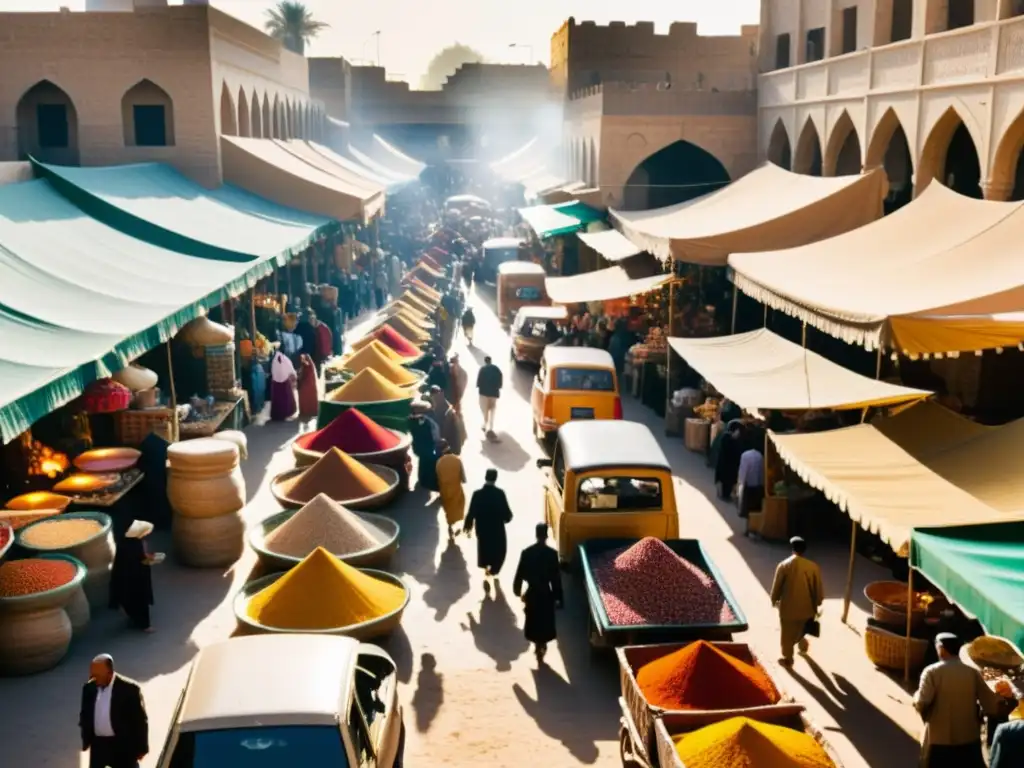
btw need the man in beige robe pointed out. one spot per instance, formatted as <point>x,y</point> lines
<point>950,699</point>
<point>797,592</point>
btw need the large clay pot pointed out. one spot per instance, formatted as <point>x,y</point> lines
<point>204,479</point>
<point>208,542</point>
<point>78,612</point>
<point>96,553</point>
<point>33,641</point>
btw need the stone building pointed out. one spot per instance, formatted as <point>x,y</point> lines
<point>929,89</point>
<point>655,119</point>
<point>145,82</point>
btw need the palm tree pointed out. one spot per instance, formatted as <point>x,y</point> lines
<point>293,24</point>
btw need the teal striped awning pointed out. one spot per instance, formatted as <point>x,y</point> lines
<point>560,219</point>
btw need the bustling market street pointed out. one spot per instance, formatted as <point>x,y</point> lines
<point>471,690</point>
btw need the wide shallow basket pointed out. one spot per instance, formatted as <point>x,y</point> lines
<point>374,501</point>
<point>671,725</point>
<point>880,592</point>
<point>367,558</point>
<point>95,552</point>
<point>632,657</point>
<point>976,658</point>
<point>392,457</point>
<point>367,630</point>
<point>52,598</point>
<point>889,650</point>
<point>391,414</point>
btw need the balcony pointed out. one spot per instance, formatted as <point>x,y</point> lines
<point>968,55</point>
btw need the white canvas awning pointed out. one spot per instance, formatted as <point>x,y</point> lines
<point>767,209</point>
<point>762,371</point>
<point>611,244</point>
<point>633,277</point>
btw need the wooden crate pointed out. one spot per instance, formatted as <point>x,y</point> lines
<point>775,518</point>
<point>131,427</point>
<point>221,373</point>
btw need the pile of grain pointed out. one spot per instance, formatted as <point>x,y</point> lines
<point>60,533</point>
<point>323,523</point>
<point>338,476</point>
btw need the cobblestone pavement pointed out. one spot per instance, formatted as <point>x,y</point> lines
<point>471,690</point>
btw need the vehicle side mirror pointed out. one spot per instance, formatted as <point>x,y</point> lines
<point>544,463</point>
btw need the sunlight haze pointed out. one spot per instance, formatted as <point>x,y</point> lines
<point>412,32</point>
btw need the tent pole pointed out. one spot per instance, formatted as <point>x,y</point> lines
<point>174,394</point>
<point>288,277</point>
<point>878,364</point>
<point>850,568</point>
<point>252,315</point>
<point>765,323</point>
<point>803,336</point>
<point>735,295</point>
<point>277,292</point>
<point>910,618</point>
<point>316,264</point>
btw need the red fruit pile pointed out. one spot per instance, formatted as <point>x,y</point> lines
<point>648,583</point>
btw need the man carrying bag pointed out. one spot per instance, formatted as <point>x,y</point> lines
<point>797,592</point>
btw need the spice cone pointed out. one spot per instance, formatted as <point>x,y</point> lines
<point>322,592</point>
<point>368,386</point>
<point>325,523</point>
<point>392,339</point>
<point>400,324</point>
<point>415,321</point>
<point>372,358</point>
<point>741,741</point>
<point>337,475</point>
<point>414,301</point>
<point>352,432</point>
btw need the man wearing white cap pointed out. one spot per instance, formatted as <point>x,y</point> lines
<point>113,720</point>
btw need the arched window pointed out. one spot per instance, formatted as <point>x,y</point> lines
<point>807,159</point>
<point>228,115</point>
<point>674,174</point>
<point>269,118</point>
<point>47,124</point>
<point>780,151</point>
<point>256,116</point>
<point>244,128</point>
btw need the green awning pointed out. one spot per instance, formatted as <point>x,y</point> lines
<point>155,203</point>
<point>80,299</point>
<point>560,219</point>
<point>981,569</point>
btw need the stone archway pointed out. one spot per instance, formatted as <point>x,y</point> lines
<point>674,174</point>
<point>47,124</point>
<point>228,113</point>
<point>843,153</point>
<point>951,156</point>
<point>256,116</point>
<point>1006,178</point>
<point>808,159</point>
<point>890,149</point>
<point>147,116</point>
<point>244,123</point>
<point>780,150</point>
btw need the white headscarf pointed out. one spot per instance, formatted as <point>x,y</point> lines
<point>281,369</point>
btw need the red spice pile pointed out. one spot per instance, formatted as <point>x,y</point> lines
<point>29,577</point>
<point>429,260</point>
<point>648,583</point>
<point>5,535</point>
<point>392,338</point>
<point>352,432</point>
<point>702,676</point>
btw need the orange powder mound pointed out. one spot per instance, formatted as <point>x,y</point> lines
<point>392,339</point>
<point>373,358</point>
<point>701,676</point>
<point>411,332</point>
<point>416,321</point>
<point>740,741</point>
<point>384,349</point>
<point>414,301</point>
<point>336,475</point>
<point>414,313</point>
<point>322,592</point>
<point>368,386</point>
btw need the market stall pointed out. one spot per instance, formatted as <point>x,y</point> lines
<point>961,258</point>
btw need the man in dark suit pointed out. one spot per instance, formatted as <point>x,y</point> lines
<point>113,721</point>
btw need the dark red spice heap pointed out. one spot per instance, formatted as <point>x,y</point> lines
<point>390,337</point>
<point>648,583</point>
<point>352,432</point>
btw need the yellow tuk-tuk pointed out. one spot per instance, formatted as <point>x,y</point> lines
<point>520,284</point>
<point>607,480</point>
<point>531,332</point>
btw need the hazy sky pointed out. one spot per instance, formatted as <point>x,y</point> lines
<point>412,31</point>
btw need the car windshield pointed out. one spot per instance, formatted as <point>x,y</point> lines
<point>590,379</point>
<point>262,747</point>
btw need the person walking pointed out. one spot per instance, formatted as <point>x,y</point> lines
<point>727,462</point>
<point>1007,749</point>
<point>489,513</point>
<point>380,283</point>
<point>112,719</point>
<point>797,593</point>
<point>948,700</point>
<point>538,569</point>
<point>425,438</point>
<point>458,380</point>
<point>448,421</point>
<point>282,388</point>
<point>450,477</point>
<point>131,580</point>
<point>468,324</point>
<point>489,381</point>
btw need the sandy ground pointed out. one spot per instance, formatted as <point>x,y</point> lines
<point>479,699</point>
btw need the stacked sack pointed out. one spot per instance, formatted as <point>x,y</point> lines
<point>207,494</point>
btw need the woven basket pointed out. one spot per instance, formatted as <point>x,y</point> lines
<point>33,641</point>
<point>210,542</point>
<point>131,427</point>
<point>220,366</point>
<point>78,612</point>
<point>206,497</point>
<point>95,553</point>
<point>696,434</point>
<point>879,592</point>
<point>888,650</point>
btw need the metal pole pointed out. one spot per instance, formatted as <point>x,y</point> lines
<point>803,336</point>
<point>878,364</point>
<point>174,394</point>
<point>849,570</point>
<point>765,322</point>
<point>252,316</point>
<point>735,296</point>
<point>668,363</point>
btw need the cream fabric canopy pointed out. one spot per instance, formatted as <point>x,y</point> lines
<point>924,468</point>
<point>762,371</point>
<point>611,244</point>
<point>767,209</point>
<point>633,277</point>
<point>944,259</point>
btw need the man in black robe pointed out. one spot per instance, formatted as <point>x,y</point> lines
<point>727,467</point>
<point>538,568</point>
<point>131,578</point>
<point>489,512</point>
